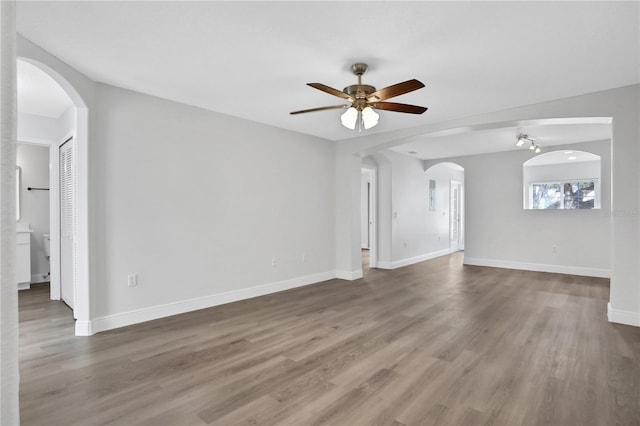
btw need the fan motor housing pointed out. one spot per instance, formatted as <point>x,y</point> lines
<point>359,91</point>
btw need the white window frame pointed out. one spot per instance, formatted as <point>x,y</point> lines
<point>561,182</point>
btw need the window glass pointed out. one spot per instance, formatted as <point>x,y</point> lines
<point>563,195</point>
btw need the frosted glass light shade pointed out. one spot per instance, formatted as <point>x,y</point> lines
<point>369,117</point>
<point>349,118</point>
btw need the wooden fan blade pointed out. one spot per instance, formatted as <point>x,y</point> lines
<point>395,90</point>
<point>319,109</point>
<point>392,106</point>
<point>330,90</point>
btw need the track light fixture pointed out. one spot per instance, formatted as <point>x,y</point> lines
<point>533,145</point>
<point>521,139</point>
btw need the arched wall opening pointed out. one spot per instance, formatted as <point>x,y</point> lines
<point>446,209</point>
<point>617,107</point>
<point>492,187</point>
<point>78,136</point>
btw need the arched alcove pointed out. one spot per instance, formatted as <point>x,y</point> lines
<point>562,180</point>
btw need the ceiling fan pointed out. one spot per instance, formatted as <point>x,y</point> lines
<point>364,99</point>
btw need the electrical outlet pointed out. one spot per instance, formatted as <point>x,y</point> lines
<point>405,245</point>
<point>132,280</point>
<point>274,262</point>
<point>554,248</point>
<point>304,257</point>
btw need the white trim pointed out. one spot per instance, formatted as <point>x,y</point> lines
<point>623,317</point>
<point>348,275</point>
<point>87,328</point>
<point>84,328</point>
<point>24,286</point>
<point>54,221</point>
<point>411,260</point>
<point>538,267</point>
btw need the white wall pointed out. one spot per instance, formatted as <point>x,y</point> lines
<point>198,203</point>
<point>563,171</point>
<point>46,130</point>
<point>499,232</point>
<point>384,214</point>
<point>34,205</point>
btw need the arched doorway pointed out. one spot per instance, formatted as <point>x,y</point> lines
<point>446,203</point>
<point>76,256</point>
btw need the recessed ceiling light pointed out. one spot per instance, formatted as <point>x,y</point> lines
<point>568,152</point>
<point>412,152</point>
<point>572,158</point>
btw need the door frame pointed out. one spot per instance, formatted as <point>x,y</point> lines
<point>55,203</point>
<point>54,208</point>
<point>373,210</point>
<point>459,244</point>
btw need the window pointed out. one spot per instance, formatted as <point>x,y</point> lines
<point>566,194</point>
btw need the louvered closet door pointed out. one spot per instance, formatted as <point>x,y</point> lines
<point>67,220</point>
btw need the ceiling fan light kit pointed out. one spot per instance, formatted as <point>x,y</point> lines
<point>364,99</point>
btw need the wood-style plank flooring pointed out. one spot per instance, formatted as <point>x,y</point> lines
<point>432,343</point>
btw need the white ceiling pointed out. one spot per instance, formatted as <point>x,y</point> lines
<point>428,147</point>
<point>252,59</point>
<point>39,94</point>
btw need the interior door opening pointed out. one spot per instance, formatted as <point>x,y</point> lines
<point>456,217</point>
<point>368,218</point>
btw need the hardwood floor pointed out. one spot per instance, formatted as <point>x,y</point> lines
<point>432,343</point>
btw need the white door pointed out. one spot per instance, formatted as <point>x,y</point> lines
<point>67,190</point>
<point>455,197</point>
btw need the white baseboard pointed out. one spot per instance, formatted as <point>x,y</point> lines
<point>160,311</point>
<point>411,260</point>
<point>39,278</point>
<point>24,286</point>
<point>83,328</point>
<point>623,317</point>
<point>349,275</point>
<point>538,267</point>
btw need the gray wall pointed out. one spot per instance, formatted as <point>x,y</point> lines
<point>198,203</point>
